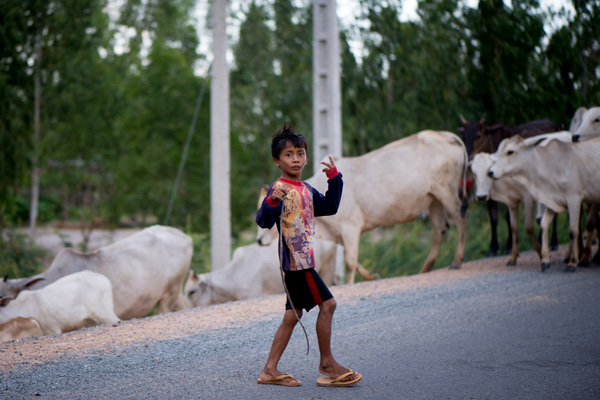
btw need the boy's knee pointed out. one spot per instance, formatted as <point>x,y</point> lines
<point>290,316</point>
<point>329,305</point>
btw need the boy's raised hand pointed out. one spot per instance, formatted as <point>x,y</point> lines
<point>328,166</point>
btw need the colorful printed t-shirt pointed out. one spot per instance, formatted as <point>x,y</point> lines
<point>295,218</point>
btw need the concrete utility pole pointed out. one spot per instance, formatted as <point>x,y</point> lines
<point>327,99</point>
<point>220,221</point>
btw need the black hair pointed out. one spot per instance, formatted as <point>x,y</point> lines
<point>284,135</point>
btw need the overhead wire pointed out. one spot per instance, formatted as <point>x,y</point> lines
<point>186,148</point>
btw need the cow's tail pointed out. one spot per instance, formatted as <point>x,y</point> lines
<point>463,194</point>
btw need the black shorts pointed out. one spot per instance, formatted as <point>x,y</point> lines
<point>306,289</point>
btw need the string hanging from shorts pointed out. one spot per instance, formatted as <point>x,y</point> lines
<point>287,293</point>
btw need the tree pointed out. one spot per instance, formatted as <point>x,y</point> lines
<point>503,48</point>
<point>569,75</point>
<point>271,84</point>
<point>41,34</point>
<point>160,96</point>
<point>15,112</point>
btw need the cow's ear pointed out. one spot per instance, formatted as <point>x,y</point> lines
<point>30,283</point>
<point>4,301</point>
<point>192,275</point>
<point>538,142</point>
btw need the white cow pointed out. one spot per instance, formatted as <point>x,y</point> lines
<point>19,328</point>
<point>586,124</point>
<point>590,225</point>
<point>145,269</point>
<point>252,272</point>
<point>510,192</point>
<point>559,175</point>
<point>397,183</point>
<point>72,302</point>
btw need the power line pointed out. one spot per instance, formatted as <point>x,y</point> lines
<point>186,147</point>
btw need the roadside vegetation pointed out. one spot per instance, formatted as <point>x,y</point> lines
<point>98,97</point>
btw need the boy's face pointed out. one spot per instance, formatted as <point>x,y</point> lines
<point>292,161</point>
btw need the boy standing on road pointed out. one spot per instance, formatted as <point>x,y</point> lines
<point>292,206</point>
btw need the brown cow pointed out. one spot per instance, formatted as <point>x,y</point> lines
<point>481,138</point>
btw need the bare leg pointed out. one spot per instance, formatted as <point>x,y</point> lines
<point>328,365</point>
<point>280,342</point>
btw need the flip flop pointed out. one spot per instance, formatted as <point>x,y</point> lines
<point>338,382</point>
<point>279,380</point>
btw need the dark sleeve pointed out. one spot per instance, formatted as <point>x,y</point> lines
<point>268,215</point>
<point>328,204</point>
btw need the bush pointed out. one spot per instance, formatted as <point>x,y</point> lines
<point>48,210</point>
<point>20,256</point>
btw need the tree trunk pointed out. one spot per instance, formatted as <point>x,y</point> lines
<point>35,159</point>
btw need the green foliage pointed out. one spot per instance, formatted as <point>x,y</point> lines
<point>19,256</point>
<point>201,261</point>
<point>401,250</point>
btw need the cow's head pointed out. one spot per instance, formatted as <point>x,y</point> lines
<point>200,291</point>
<point>10,288</point>
<point>483,183</point>
<point>196,290</point>
<point>589,125</point>
<point>503,160</point>
<point>471,132</point>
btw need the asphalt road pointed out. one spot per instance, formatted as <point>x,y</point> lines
<point>486,332</point>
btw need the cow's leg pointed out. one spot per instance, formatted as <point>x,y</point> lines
<point>544,225</point>
<point>529,208</point>
<point>574,208</point>
<point>554,239</point>
<point>513,210</point>
<point>351,240</point>
<point>493,213</point>
<point>461,227</point>
<point>440,228</point>
<point>596,258</point>
<point>510,239</point>
<point>590,226</point>
<point>172,300</point>
<point>453,205</point>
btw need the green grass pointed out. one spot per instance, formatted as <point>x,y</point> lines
<point>402,249</point>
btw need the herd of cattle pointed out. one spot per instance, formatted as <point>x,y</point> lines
<point>536,164</point>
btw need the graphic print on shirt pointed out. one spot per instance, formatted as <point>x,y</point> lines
<point>298,225</point>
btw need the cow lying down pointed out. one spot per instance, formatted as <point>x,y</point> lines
<point>252,272</point>
<point>73,302</point>
<point>146,269</point>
